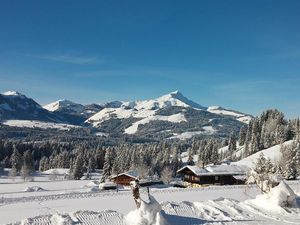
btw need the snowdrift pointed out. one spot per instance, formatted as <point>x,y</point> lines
<point>277,199</point>
<point>147,214</point>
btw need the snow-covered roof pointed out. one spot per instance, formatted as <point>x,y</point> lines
<point>223,169</point>
<point>195,169</point>
<point>132,173</point>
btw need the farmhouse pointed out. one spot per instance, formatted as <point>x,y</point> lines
<point>223,174</point>
<point>125,178</point>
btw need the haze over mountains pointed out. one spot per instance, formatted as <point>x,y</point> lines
<point>170,116</point>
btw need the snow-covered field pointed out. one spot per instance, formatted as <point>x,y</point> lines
<point>38,124</point>
<point>77,202</point>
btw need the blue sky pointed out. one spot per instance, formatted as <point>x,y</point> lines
<point>243,55</point>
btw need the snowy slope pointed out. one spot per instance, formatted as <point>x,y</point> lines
<point>273,153</point>
<point>176,118</point>
<point>143,109</point>
<point>38,124</point>
<point>222,111</point>
<point>175,106</point>
<point>207,130</point>
<point>64,104</point>
<point>14,105</point>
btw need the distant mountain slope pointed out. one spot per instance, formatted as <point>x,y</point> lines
<point>73,113</point>
<point>170,116</point>
<point>14,105</point>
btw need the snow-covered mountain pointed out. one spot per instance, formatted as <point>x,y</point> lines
<point>14,105</point>
<point>172,114</point>
<point>73,113</point>
<point>169,116</point>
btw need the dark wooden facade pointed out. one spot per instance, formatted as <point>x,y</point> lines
<point>122,179</point>
<point>206,178</point>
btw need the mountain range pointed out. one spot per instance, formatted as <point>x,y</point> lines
<point>170,116</point>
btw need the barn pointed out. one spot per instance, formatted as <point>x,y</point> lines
<point>223,174</point>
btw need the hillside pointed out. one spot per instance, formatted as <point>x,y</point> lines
<point>273,153</point>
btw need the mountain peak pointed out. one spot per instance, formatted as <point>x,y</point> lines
<point>13,93</point>
<point>62,104</point>
<point>177,96</point>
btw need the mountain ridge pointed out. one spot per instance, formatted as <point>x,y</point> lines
<point>167,116</point>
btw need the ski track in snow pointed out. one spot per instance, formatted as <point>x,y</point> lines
<point>219,211</point>
<point>222,211</point>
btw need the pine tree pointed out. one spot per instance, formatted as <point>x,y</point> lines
<point>231,146</point>
<point>288,161</point>
<point>242,135</point>
<point>16,159</point>
<point>78,169</point>
<point>190,160</point>
<point>261,165</point>
<point>174,162</point>
<point>108,163</point>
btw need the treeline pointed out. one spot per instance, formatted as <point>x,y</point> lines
<point>267,130</point>
<point>160,159</point>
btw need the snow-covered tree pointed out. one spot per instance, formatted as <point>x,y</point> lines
<point>78,169</point>
<point>108,163</point>
<point>16,159</point>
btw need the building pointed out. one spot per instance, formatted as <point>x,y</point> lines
<point>223,174</point>
<point>125,178</point>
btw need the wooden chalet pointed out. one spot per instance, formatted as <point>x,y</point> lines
<point>223,174</point>
<point>125,178</point>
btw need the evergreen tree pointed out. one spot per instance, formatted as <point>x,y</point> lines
<point>16,159</point>
<point>108,163</point>
<point>242,135</point>
<point>78,169</point>
<point>190,160</point>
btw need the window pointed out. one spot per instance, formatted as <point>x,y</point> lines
<point>216,178</point>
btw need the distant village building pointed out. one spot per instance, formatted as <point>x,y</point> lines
<point>223,174</point>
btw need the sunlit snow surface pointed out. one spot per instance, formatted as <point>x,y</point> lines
<point>74,202</point>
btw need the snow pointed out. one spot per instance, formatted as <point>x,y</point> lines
<point>144,109</point>
<point>225,169</point>
<point>149,213</point>
<point>12,93</point>
<point>70,202</point>
<point>275,200</point>
<point>101,134</point>
<point>207,130</point>
<point>58,171</point>
<point>107,185</point>
<point>215,170</point>
<point>240,116</point>
<point>273,153</point>
<point>195,169</point>
<point>54,106</point>
<point>176,118</point>
<point>38,124</point>
<point>34,188</point>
